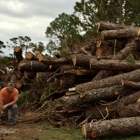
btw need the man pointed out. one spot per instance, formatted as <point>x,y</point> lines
<point>8,100</point>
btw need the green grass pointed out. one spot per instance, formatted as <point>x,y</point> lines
<point>69,133</point>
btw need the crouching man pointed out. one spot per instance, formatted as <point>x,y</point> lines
<point>8,100</point>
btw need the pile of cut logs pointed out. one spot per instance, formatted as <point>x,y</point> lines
<point>106,86</point>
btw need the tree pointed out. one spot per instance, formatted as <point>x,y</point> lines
<point>2,46</point>
<point>23,42</point>
<point>62,28</point>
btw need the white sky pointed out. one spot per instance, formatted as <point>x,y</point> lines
<point>30,18</point>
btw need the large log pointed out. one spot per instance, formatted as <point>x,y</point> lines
<point>110,26</point>
<point>120,34</point>
<point>18,53</point>
<point>131,46</point>
<point>110,109</point>
<point>30,56</point>
<point>103,64</point>
<point>49,61</point>
<point>93,95</point>
<point>112,128</point>
<point>110,81</point>
<point>35,66</point>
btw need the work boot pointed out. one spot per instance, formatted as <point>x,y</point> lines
<point>11,122</point>
<point>4,119</point>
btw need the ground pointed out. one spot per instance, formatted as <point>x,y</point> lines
<point>37,131</point>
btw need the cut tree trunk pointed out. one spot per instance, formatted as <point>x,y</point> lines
<point>110,26</point>
<point>93,95</point>
<point>135,85</point>
<point>34,66</point>
<point>18,53</point>
<point>120,34</point>
<point>131,110</point>
<point>110,81</point>
<point>103,64</point>
<point>49,61</point>
<point>131,46</point>
<point>110,109</point>
<point>30,56</point>
<point>112,128</point>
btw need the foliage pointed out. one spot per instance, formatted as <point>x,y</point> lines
<point>2,46</point>
<point>25,97</point>
<point>130,58</point>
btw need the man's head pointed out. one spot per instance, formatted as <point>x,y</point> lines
<point>11,85</point>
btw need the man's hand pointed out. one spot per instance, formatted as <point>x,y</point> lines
<point>4,107</point>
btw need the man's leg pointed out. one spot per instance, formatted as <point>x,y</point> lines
<point>14,109</point>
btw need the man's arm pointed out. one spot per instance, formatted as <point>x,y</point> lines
<point>11,103</point>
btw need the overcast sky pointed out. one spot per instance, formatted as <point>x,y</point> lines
<point>30,17</point>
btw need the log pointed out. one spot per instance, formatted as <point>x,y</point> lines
<point>111,128</point>
<point>30,56</point>
<point>110,109</point>
<point>131,110</point>
<point>115,65</point>
<point>18,53</point>
<point>120,34</point>
<point>110,81</point>
<point>18,84</point>
<point>131,46</point>
<point>110,26</point>
<point>76,100</point>
<point>48,61</point>
<point>34,66</point>
<point>135,85</point>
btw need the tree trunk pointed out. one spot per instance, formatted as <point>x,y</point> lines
<point>93,95</point>
<point>110,26</point>
<point>18,53</point>
<point>49,61</point>
<point>131,110</point>
<point>30,74</point>
<point>112,128</point>
<point>34,66</point>
<point>120,34</point>
<point>132,46</point>
<point>30,56</point>
<point>110,81</point>
<point>110,109</point>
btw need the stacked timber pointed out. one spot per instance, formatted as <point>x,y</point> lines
<point>99,83</point>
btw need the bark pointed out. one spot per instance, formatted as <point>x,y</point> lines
<point>110,109</point>
<point>135,85</point>
<point>49,61</point>
<point>103,64</point>
<point>120,34</point>
<point>93,95</point>
<point>111,128</point>
<point>18,53</point>
<point>110,26</point>
<point>131,110</point>
<point>131,46</point>
<point>110,81</point>
<point>34,66</point>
